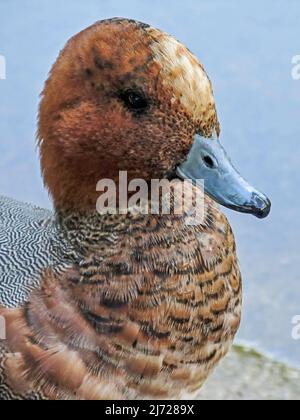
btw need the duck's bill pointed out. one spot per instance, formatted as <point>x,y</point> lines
<point>208,161</point>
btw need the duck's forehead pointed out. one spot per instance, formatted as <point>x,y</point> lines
<point>183,73</point>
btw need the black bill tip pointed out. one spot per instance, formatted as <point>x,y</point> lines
<point>261,206</point>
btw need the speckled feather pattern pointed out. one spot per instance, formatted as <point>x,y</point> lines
<point>146,314</point>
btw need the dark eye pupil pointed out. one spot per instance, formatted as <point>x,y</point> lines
<point>134,100</point>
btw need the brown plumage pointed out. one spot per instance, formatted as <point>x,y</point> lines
<point>145,315</point>
<point>151,303</point>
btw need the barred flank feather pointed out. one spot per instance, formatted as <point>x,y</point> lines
<point>29,243</point>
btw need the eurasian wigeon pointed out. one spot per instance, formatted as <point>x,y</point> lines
<point>125,306</point>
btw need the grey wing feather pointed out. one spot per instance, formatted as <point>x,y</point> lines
<point>29,243</point>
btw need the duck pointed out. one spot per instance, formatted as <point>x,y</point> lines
<point>126,305</point>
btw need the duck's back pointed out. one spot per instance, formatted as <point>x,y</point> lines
<point>27,248</point>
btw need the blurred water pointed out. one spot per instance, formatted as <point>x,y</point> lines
<point>247,48</point>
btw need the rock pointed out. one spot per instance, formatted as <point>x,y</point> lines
<point>248,375</point>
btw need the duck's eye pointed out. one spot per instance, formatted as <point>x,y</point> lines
<point>135,100</point>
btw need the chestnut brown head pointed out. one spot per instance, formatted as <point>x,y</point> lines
<point>122,96</point>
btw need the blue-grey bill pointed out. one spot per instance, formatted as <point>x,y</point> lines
<point>209,161</point>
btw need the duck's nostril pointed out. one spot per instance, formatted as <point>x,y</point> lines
<point>208,161</point>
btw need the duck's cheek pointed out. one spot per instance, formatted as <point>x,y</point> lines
<point>90,128</point>
<point>166,136</point>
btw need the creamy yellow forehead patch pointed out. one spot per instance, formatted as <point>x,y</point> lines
<point>183,73</point>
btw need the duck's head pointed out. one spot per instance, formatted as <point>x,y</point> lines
<point>123,96</point>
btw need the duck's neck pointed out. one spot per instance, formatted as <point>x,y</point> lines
<point>93,233</point>
<point>85,230</point>
<point>88,231</point>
